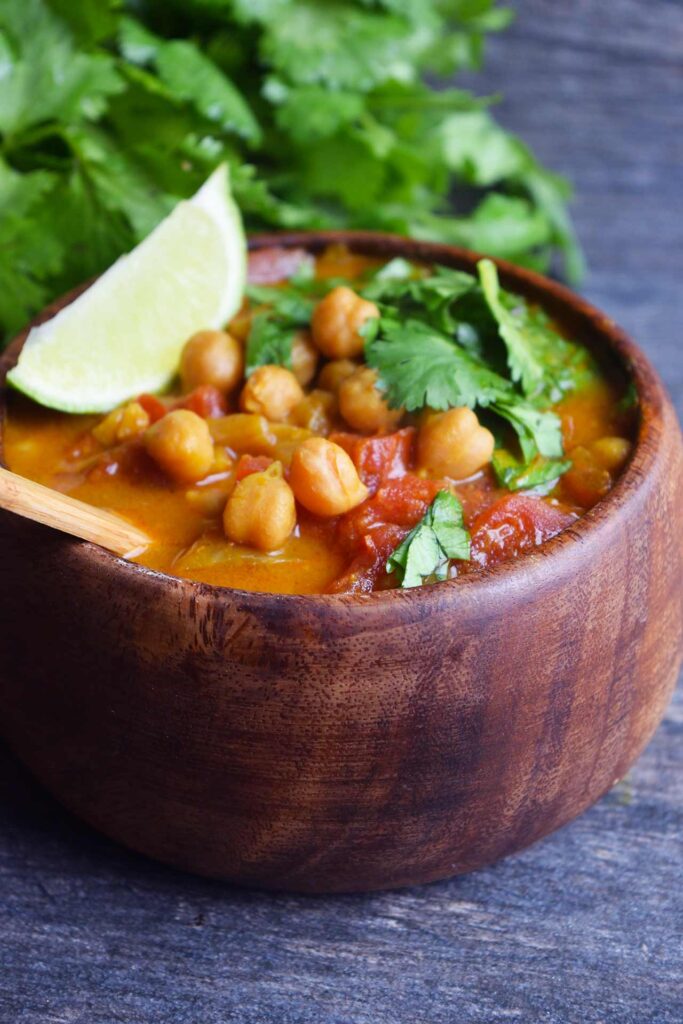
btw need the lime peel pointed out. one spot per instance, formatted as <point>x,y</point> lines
<point>124,335</point>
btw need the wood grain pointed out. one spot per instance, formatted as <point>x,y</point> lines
<point>583,927</point>
<point>68,515</point>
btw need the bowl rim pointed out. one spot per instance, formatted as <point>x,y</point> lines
<point>652,400</point>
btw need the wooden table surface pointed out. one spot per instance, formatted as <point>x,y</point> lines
<point>587,926</point>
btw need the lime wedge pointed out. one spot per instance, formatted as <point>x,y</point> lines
<point>124,334</point>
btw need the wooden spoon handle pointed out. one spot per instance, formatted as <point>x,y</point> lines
<point>43,505</point>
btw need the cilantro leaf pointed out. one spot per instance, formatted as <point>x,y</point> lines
<point>339,45</point>
<point>416,293</point>
<point>258,10</point>
<point>438,537</point>
<point>270,342</point>
<point>524,362</point>
<point>536,431</point>
<point>540,475</point>
<point>418,367</point>
<point>28,254</point>
<point>510,227</point>
<point>191,76</point>
<point>418,557</point>
<point>90,21</point>
<point>91,237</point>
<point>446,519</point>
<point>309,113</point>
<point>397,269</point>
<point>566,365</point>
<point>289,303</point>
<point>119,184</point>
<point>485,155</point>
<point>287,308</point>
<point>44,75</point>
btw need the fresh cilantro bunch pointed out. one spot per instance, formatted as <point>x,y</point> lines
<point>446,338</point>
<point>112,110</point>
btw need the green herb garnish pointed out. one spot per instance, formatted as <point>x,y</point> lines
<point>523,359</point>
<point>112,110</point>
<point>270,341</point>
<point>289,303</point>
<point>426,295</point>
<point>427,550</point>
<point>539,475</point>
<point>282,311</point>
<point>537,431</point>
<point>420,367</point>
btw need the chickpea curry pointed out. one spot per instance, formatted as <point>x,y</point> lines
<point>357,426</point>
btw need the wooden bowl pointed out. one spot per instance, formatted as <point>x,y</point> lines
<point>344,742</point>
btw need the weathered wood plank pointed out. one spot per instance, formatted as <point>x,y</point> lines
<point>587,926</point>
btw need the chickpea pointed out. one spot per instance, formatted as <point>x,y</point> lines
<point>363,405</point>
<point>454,444</point>
<point>211,357</point>
<point>271,391</point>
<point>261,512</point>
<point>586,481</point>
<point>316,411</point>
<point>611,452</point>
<point>180,442</point>
<point>336,320</point>
<point>304,358</point>
<point>334,373</point>
<point>122,424</point>
<point>324,479</point>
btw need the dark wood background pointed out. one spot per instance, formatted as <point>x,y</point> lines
<point>586,927</point>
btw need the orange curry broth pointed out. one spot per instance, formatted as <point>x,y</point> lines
<point>342,554</point>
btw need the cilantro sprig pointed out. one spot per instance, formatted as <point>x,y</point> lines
<point>281,312</point>
<point>524,360</point>
<point>112,110</point>
<point>539,475</point>
<point>420,367</point>
<point>270,341</point>
<point>426,552</point>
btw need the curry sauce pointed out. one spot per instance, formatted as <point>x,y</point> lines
<point>118,462</point>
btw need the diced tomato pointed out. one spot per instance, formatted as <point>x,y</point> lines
<point>346,441</point>
<point>379,458</point>
<point>405,501</point>
<point>153,406</point>
<point>369,564</point>
<point>248,464</point>
<point>206,400</point>
<point>269,266</point>
<point>514,524</point>
<point>400,502</point>
<point>371,531</point>
<point>477,495</point>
